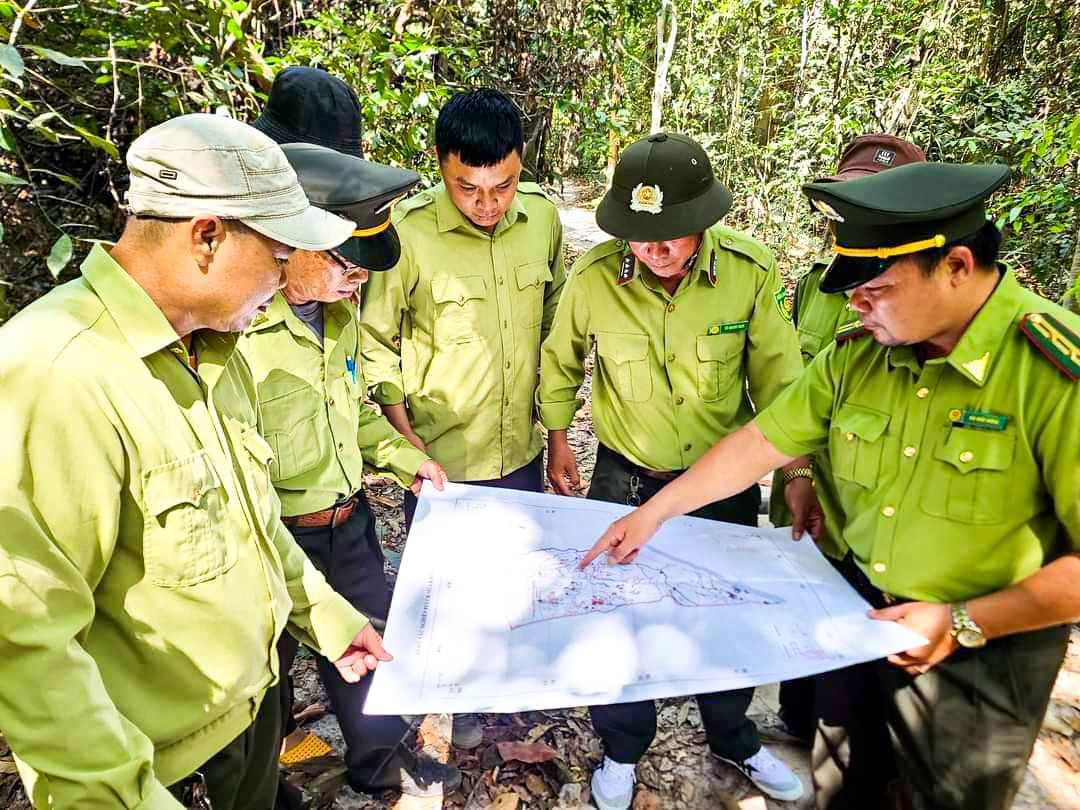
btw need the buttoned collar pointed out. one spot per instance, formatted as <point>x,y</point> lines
<point>279,312</point>
<point>143,325</point>
<point>703,270</point>
<point>979,347</point>
<point>448,217</point>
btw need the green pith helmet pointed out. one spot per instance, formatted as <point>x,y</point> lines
<point>663,188</point>
<point>904,210</point>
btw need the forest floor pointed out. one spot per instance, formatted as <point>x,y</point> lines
<point>677,772</point>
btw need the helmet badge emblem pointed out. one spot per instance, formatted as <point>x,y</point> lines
<point>647,199</point>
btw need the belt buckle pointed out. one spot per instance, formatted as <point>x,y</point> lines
<point>633,497</point>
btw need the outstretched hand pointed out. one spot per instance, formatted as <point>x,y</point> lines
<point>624,537</point>
<point>929,620</point>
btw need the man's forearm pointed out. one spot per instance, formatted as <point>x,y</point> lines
<point>730,466</point>
<point>398,416</point>
<point>1046,598</point>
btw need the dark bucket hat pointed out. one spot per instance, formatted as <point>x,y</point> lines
<point>663,188</point>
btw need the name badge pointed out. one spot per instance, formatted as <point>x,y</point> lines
<point>980,420</point>
<point>727,328</point>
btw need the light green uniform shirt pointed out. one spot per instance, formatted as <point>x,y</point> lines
<point>455,328</point>
<point>674,373</point>
<point>936,509</point>
<point>144,575</point>
<point>312,411</point>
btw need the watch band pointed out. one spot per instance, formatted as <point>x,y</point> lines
<point>965,629</point>
<point>798,472</point>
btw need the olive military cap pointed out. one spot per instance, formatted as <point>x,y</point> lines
<point>359,190</point>
<point>898,212</point>
<point>663,188</point>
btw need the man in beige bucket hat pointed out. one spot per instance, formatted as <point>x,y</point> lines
<point>145,575</point>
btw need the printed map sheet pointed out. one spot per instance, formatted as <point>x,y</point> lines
<point>491,614</point>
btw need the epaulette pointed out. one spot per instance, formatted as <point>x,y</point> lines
<point>414,202</point>
<point>850,330</point>
<point>747,246</point>
<point>596,253</point>
<point>529,187</point>
<point>1059,344</point>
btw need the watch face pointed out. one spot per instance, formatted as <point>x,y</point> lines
<point>971,638</point>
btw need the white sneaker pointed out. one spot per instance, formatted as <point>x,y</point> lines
<point>613,785</point>
<point>770,774</point>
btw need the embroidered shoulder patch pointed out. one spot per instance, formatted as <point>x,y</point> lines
<point>783,304</point>
<point>1059,344</point>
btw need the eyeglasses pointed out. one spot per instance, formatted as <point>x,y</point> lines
<point>349,267</point>
<point>281,255</point>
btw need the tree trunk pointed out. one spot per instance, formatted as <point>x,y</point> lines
<point>1072,294</point>
<point>665,46</point>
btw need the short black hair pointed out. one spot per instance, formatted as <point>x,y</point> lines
<point>482,127</point>
<point>984,244</point>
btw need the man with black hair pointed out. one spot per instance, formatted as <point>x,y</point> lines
<point>954,436</point>
<point>451,336</point>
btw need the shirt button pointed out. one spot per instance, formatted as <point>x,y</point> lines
<point>500,280</point>
<point>967,456</point>
<point>686,447</point>
<point>340,445</point>
<point>461,299</point>
<point>849,437</point>
<point>889,511</point>
<point>619,243</point>
<point>880,568</point>
<point>727,241</point>
<point>508,364</point>
<point>670,307</point>
<point>910,451</point>
<point>671,358</point>
<point>196,494</point>
<point>505,324</point>
<point>679,400</point>
<point>923,392</point>
<point>331,402</point>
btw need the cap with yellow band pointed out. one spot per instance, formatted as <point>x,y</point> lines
<point>898,212</point>
<point>361,190</point>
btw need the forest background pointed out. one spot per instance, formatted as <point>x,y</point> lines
<point>772,88</point>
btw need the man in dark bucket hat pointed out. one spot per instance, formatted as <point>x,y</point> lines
<point>304,352</point>
<point>692,334</point>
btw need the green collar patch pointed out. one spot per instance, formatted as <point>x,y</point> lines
<point>981,420</point>
<point>1059,344</point>
<point>727,328</point>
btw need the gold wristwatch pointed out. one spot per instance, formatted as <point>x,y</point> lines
<point>964,629</point>
<point>798,472</point>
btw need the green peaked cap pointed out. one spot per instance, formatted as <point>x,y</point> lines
<point>900,211</point>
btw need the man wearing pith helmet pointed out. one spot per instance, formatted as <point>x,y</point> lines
<point>953,426</point>
<point>691,332</point>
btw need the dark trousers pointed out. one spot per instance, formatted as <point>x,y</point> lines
<point>244,774</point>
<point>351,559</point>
<point>627,729</point>
<point>955,738</point>
<point>529,478</point>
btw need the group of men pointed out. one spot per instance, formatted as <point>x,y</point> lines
<point>187,435</point>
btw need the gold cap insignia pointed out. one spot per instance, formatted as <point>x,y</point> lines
<point>647,199</point>
<point>828,210</point>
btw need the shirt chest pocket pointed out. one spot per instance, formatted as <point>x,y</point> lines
<point>256,463</point>
<point>186,534</point>
<point>970,481</point>
<point>531,278</point>
<point>719,365</point>
<point>810,344</point>
<point>856,443</point>
<point>458,307</point>
<point>625,362</point>
<point>291,426</point>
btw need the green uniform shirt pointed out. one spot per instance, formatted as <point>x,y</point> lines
<point>455,328</point>
<point>312,412</point>
<point>674,373</point>
<point>817,316</point>
<point>145,576</point>
<point>939,509</point>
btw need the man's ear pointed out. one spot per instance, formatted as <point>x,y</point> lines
<point>204,233</point>
<point>959,263</point>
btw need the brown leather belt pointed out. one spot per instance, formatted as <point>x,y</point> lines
<point>328,518</point>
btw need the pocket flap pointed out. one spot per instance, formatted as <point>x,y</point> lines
<point>619,348</point>
<point>258,447</point>
<point>532,274</point>
<point>458,289</point>
<point>866,423</point>
<point>966,449</point>
<point>185,480</point>
<point>719,347</point>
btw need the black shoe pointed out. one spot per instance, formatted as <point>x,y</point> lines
<point>427,777</point>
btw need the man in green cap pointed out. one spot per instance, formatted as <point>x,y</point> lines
<point>953,426</point>
<point>145,576</point>
<point>819,320</point>
<point>303,352</point>
<point>691,332</point>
